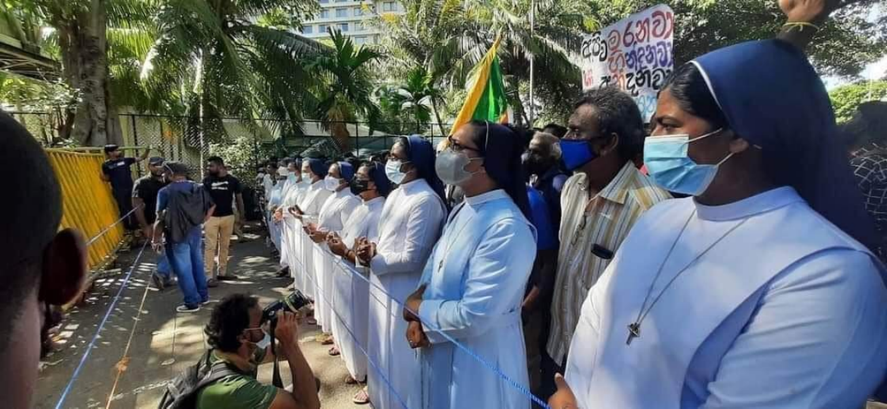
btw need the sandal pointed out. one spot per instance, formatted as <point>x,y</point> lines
<point>334,351</point>
<point>350,381</point>
<point>327,341</point>
<point>362,397</point>
<point>311,321</point>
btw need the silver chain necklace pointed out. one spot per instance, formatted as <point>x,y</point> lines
<point>634,329</point>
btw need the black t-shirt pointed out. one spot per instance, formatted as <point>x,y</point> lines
<point>146,188</point>
<point>222,190</point>
<point>119,174</point>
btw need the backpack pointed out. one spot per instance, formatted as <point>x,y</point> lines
<point>181,392</point>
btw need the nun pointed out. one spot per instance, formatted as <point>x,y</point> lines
<point>332,218</point>
<point>352,292</point>
<point>307,211</point>
<point>758,290</point>
<point>473,284</point>
<point>409,226</point>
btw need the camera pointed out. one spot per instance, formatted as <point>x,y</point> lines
<point>291,303</point>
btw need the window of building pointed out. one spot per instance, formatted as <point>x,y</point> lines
<point>358,12</point>
<point>388,6</point>
<point>307,29</point>
<point>324,1</point>
<point>324,14</point>
<point>343,27</point>
<point>342,1</point>
<point>321,28</point>
<point>341,12</point>
<point>360,40</point>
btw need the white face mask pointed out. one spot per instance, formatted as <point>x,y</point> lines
<point>392,170</point>
<point>331,183</point>
<point>450,167</point>
<point>282,171</point>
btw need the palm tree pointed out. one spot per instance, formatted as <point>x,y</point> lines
<point>345,89</point>
<point>212,59</point>
<point>448,37</point>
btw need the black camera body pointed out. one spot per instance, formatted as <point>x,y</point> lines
<point>291,303</point>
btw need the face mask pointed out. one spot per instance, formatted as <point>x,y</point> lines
<point>450,167</point>
<point>359,186</point>
<point>291,177</point>
<point>264,342</point>
<point>282,171</point>
<point>392,170</point>
<point>670,166</point>
<point>576,153</point>
<point>331,183</point>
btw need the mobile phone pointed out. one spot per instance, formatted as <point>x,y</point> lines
<point>602,252</point>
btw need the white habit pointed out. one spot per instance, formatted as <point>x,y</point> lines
<point>352,297</point>
<point>333,215</point>
<point>786,311</point>
<point>410,224</point>
<point>476,280</point>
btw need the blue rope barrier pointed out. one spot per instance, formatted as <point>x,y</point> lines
<point>364,351</point>
<point>99,330</point>
<point>459,345</point>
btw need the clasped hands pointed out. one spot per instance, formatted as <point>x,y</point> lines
<point>415,332</point>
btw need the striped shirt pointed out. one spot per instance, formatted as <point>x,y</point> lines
<point>604,220</point>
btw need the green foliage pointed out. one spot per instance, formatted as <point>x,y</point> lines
<point>846,99</point>
<point>344,90</point>
<point>242,154</point>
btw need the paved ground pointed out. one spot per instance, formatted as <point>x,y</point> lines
<point>164,342</point>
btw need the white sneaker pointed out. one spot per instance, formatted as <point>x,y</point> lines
<point>184,308</point>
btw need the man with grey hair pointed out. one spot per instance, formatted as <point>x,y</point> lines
<point>543,162</point>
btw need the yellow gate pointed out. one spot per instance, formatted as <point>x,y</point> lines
<point>87,203</point>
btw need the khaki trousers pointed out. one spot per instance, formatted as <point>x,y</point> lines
<point>218,232</point>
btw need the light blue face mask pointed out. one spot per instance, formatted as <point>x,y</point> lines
<point>392,170</point>
<point>668,163</point>
<point>291,177</point>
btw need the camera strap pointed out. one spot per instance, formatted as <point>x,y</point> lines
<point>275,380</point>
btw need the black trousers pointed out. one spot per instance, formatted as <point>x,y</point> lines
<point>124,205</point>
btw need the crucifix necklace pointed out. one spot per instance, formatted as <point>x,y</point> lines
<point>634,328</point>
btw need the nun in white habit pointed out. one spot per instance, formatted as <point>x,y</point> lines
<point>409,226</point>
<point>758,291</point>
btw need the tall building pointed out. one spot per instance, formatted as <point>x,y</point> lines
<point>351,17</point>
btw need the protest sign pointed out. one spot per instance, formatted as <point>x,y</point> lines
<point>634,54</point>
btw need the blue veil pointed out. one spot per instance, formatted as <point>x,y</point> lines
<point>422,155</point>
<point>318,167</point>
<point>346,170</point>
<point>772,97</point>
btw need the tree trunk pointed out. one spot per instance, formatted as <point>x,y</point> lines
<point>440,125</point>
<point>83,46</point>
<point>340,134</point>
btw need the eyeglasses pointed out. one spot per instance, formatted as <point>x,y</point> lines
<point>455,146</point>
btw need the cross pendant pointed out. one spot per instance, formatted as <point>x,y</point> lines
<point>634,331</point>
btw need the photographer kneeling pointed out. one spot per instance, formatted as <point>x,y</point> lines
<point>237,338</point>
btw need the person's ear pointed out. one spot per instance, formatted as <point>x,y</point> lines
<point>611,145</point>
<point>64,268</point>
<point>738,144</point>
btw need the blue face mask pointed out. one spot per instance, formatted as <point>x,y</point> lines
<point>291,177</point>
<point>667,160</point>
<point>576,153</point>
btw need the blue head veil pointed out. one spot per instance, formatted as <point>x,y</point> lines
<point>422,156</point>
<point>318,167</point>
<point>773,98</point>
<point>377,175</point>
<point>346,170</point>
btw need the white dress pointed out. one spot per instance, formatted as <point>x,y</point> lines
<point>352,297</point>
<point>311,201</point>
<point>476,279</point>
<point>785,311</point>
<point>333,215</point>
<point>410,225</point>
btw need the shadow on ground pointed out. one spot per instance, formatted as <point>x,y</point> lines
<point>164,342</point>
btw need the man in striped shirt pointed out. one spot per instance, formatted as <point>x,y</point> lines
<point>600,203</point>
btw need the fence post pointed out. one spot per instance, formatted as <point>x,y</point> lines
<point>135,140</point>
<point>357,138</point>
